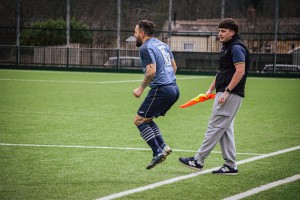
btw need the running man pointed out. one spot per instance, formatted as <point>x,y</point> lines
<point>159,67</point>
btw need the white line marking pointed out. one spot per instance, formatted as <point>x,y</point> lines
<point>179,178</point>
<point>88,82</point>
<point>151,186</point>
<point>192,77</point>
<point>263,188</point>
<point>61,81</point>
<point>104,147</point>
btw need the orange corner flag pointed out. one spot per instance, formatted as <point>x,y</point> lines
<point>198,99</point>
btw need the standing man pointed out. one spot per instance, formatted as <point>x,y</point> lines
<point>159,68</point>
<point>230,88</point>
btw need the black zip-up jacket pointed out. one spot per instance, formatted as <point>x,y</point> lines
<point>227,68</point>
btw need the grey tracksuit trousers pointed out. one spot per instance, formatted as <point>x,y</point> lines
<point>220,129</point>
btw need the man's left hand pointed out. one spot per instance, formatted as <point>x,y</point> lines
<point>223,98</point>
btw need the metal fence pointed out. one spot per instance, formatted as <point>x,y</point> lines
<point>193,52</point>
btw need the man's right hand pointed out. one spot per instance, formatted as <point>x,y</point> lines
<point>138,92</point>
<point>208,92</point>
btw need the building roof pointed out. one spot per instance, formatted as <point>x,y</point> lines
<point>250,25</point>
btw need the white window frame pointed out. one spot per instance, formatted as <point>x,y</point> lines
<point>188,46</point>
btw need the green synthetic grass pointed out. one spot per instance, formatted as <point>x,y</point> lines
<point>97,110</point>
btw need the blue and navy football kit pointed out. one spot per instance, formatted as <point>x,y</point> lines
<point>164,91</point>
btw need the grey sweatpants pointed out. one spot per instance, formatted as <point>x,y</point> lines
<point>220,129</point>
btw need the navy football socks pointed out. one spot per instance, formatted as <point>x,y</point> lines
<point>157,133</point>
<point>149,136</point>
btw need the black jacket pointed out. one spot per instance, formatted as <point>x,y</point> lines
<point>227,68</point>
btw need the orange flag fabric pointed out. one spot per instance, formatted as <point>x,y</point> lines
<point>198,99</point>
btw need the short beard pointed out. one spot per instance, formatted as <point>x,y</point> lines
<point>138,43</point>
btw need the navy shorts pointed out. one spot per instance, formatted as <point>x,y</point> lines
<point>159,100</point>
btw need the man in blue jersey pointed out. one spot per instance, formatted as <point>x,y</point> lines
<point>230,88</point>
<point>159,68</point>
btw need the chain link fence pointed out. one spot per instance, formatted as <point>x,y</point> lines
<point>194,41</point>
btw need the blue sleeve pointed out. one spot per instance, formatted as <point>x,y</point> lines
<point>147,56</point>
<point>238,54</point>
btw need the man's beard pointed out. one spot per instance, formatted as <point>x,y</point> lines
<point>138,42</point>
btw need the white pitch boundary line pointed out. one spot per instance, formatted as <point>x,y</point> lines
<point>97,73</point>
<point>263,188</point>
<point>105,147</point>
<point>261,156</point>
<point>61,81</point>
<point>179,178</point>
<point>89,82</point>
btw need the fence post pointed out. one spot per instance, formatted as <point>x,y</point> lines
<point>275,39</point>
<point>44,56</point>
<point>18,56</point>
<point>118,33</point>
<point>118,59</point>
<point>18,33</point>
<point>68,32</point>
<point>68,55</point>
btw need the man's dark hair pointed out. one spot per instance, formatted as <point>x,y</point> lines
<point>229,23</point>
<point>147,26</point>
